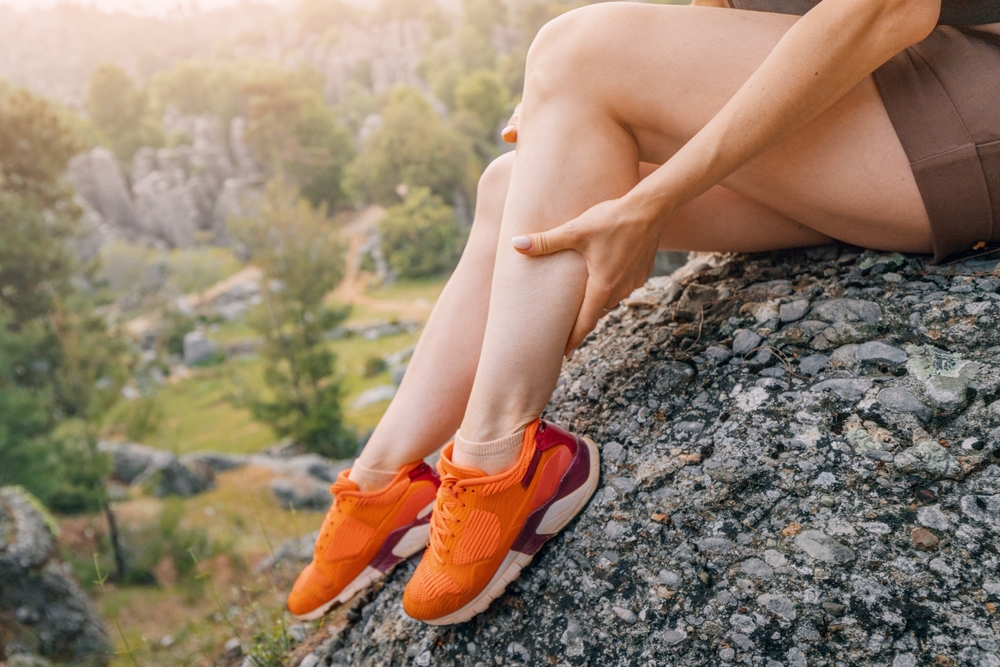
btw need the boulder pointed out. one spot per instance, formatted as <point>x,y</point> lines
<point>166,206</point>
<point>45,614</point>
<point>138,465</point>
<point>301,492</point>
<point>198,348</point>
<point>99,180</point>
<point>740,518</point>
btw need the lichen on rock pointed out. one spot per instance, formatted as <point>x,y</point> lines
<point>759,505</point>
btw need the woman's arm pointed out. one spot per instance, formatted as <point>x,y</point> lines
<point>824,55</point>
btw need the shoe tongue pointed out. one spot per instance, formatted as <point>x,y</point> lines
<point>344,484</point>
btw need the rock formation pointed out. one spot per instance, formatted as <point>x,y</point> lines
<point>800,466</point>
<point>43,611</point>
<point>99,180</point>
<point>138,465</point>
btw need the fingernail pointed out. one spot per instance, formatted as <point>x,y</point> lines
<point>521,242</point>
<point>569,355</point>
<point>507,130</point>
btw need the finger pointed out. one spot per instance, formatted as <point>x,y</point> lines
<point>563,237</point>
<point>591,311</point>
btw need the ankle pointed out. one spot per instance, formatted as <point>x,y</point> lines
<point>492,456</point>
<point>371,479</point>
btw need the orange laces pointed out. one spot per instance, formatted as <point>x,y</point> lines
<point>443,517</point>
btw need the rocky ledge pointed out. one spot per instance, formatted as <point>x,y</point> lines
<point>801,466</point>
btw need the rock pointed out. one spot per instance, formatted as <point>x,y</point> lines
<point>849,389</point>
<point>778,605</point>
<point>813,364</point>
<point>99,180</point>
<point>626,615</point>
<point>383,392</point>
<point>931,516</point>
<point>215,461</point>
<point>745,342</point>
<point>878,352</point>
<point>138,465</point>
<point>302,493</point>
<point>43,607</point>
<point>794,311</point>
<point>695,547</point>
<point>198,348</point>
<point>847,310</point>
<point>923,539</point>
<point>947,394</point>
<point>295,552</point>
<point>898,399</point>
<point>823,547</point>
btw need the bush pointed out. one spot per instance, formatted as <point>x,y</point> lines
<point>374,366</point>
<point>421,237</point>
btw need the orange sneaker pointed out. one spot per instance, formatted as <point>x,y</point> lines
<point>363,536</point>
<point>485,529</point>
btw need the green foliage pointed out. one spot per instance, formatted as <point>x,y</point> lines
<point>81,473</point>
<point>413,147</point>
<point>270,647</point>
<point>374,366</point>
<point>482,94</point>
<point>420,237</point>
<point>142,419</point>
<point>58,362</point>
<point>293,245</point>
<point>296,135</point>
<point>119,109</point>
<point>176,325</point>
<point>198,87</point>
<point>35,146</point>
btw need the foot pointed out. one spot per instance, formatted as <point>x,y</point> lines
<point>363,536</point>
<point>484,529</point>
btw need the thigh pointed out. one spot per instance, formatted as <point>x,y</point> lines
<point>665,71</point>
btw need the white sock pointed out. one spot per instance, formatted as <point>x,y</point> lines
<point>369,480</point>
<point>491,457</point>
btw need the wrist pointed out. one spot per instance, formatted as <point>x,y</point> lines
<point>647,204</point>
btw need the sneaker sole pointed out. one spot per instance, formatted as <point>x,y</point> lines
<point>412,541</point>
<point>557,516</point>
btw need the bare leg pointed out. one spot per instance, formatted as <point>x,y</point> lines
<point>431,400</point>
<point>614,83</point>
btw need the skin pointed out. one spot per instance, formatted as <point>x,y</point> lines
<point>769,134</point>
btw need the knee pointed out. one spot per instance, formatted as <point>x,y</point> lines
<point>491,193</point>
<point>570,48</point>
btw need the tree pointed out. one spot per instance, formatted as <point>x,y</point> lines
<point>297,136</point>
<point>482,94</point>
<point>293,245</point>
<point>196,87</point>
<point>420,237</point>
<point>119,109</point>
<point>59,366</point>
<point>413,147</point>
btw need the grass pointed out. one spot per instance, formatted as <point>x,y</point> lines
<point>241,512</point>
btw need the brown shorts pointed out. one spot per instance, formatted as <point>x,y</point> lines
<point>943,97</point>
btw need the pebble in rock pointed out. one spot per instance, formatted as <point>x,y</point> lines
<point>626,615</point>
<point>755,567</point>
<point>923,539</point>
<point>794,311</point>
<point>823,547</point>
<point>947,393</point>
<point>898,399</point>
<point>813,364</point>
<point>778,605</point>
<point>673,637</point>
<point>745,342</point>
<point>880,353</point>
<point>931,516</point>
<point>850,389</point>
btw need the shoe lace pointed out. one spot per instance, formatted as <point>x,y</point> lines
<point>338,490</point>
<point>443,517</point>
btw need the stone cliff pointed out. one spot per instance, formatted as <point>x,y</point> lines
<point>800,466</point>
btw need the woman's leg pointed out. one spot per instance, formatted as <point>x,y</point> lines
<point>614,83</point>
<point>431,400</point>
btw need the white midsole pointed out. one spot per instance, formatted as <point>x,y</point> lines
<point>413,541</point>
<point>559,514</point>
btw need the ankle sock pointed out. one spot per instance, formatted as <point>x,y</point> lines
<point>369,479</point>
<point>491,457</point>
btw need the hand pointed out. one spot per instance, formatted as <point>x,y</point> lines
<point>509,133</point>
<point>618,240</point>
